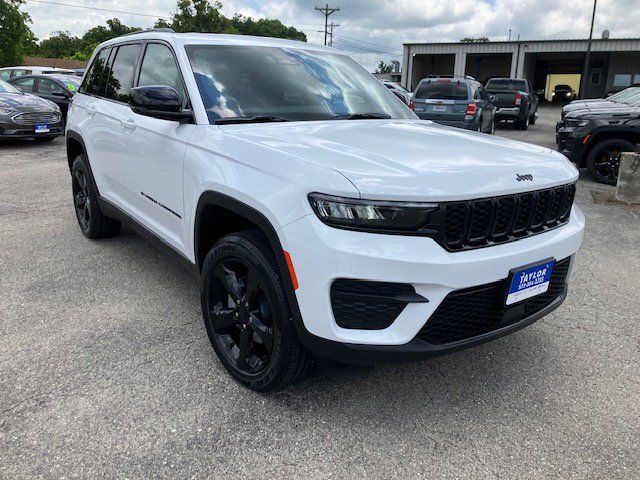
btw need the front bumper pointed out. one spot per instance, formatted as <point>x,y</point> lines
<point>570,146</point>
<point>11,130</point>
<point>322,254</point>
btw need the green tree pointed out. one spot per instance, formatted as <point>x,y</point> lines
<point>16,38</point>
<point>59,45</point>
<point>474,40</point>
<point>266,28</point>
<point>99,34</point>
<point>198,16</point>
<point>384,67</point>
<point>205,16</point>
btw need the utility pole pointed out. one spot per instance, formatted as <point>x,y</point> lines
<point>585,70</point>
<point>326,11</point>
<point>331,25</point>
<point>509,34</point>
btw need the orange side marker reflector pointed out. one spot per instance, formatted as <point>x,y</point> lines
<point>292,272</point>
<point>586,139</point>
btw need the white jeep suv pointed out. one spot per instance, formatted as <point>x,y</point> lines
<point>324,219</point>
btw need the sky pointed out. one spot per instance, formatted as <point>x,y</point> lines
<point>373,30</point>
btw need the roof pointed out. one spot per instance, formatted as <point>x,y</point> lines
<point>218,39</point>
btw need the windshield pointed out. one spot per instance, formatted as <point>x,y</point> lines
<point>507,84</point>
<point>626,95</point>
<point>6,88</point>
<point>443,89</point>
<point>71,81</point>
<point>293,84</point>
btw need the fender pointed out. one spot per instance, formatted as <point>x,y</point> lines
<point>217,199</point>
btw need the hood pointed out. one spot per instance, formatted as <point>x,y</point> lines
<point>621,111</point>
<point>413,159</point>
<point>23,102</point>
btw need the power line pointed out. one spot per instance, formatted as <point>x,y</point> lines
<point>364,48</point>
<point>326,11</point>
<point>100,9</point>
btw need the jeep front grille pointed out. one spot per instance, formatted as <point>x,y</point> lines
<point>490,221</point>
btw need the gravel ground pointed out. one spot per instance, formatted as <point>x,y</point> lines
<point>106,370</point>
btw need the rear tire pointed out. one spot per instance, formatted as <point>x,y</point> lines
<point>92,222</point>
<point>522,124</point>
<point>603,160</point>
<point>532,119</point>
<point>247,315</point>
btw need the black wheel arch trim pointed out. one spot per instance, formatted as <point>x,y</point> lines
<point>213,198</point>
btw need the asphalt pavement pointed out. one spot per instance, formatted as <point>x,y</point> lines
<point>106,369</point>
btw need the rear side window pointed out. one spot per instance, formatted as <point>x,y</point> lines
<point>120,80</point>
<point>47,87</point>
<point>92,80</point>
<point>25,84</point>
<point>159,68</point>
<point>442,90</point>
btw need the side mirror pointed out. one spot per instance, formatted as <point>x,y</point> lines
<point>493,99</point>
<point>159,101</point>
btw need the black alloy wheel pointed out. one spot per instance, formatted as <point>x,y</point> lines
<point>247,314</point>
<point>603,162</point>
<point>82,199</point>
<point>241,315</point>
<point>93,223</point>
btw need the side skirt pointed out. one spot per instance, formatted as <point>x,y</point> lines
<point>113,211</point>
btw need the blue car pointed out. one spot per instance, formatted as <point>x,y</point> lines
<point>455,101</point>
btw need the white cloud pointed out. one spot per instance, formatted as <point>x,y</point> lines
<point>371,30</point>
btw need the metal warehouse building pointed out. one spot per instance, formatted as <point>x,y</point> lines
<point>613,65</point>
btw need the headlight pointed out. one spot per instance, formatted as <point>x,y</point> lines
<point>7,112</point>
<point>375,215</point>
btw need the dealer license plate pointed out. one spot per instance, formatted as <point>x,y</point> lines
<point>42,128</point>
<point>530,281</point>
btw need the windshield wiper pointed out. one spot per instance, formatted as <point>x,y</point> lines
<point>251,119</point>
<point>361,116</point>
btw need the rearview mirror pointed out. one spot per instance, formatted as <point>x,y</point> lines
<point>159,101</point>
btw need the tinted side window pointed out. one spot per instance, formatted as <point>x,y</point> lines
<point>47,87</point>
<point>120,79</point>
<point>159,68</point>
<point>25,84</point>
<point>91,82</point>
<point>5,74</point>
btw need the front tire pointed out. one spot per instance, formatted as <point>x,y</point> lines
<point>603,161</point>
<point>93,223</point>
<point>247,315</point>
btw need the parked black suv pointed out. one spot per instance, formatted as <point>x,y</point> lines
<point>595,139</point>
<point>515,101</point>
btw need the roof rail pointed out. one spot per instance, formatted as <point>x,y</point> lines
<point>466,77</point>
<point>166,30</point>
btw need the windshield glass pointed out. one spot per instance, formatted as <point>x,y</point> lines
<point>626,95</point>
<point>294,84</point>
<point>69,80</point>
<point>6,88</point>
<point>507,84</point>
<point>443,89</point>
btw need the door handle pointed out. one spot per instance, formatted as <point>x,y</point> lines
<point>91,111</point>
<point>128,124</point>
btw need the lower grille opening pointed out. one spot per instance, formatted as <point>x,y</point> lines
<point>366,305</point>
<point>478,310</point>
